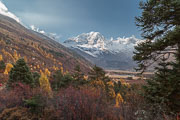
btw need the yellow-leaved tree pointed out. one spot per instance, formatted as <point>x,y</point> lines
<point>47,72</point>
<point>44,84</point>
<point>123,82</point>
<point>62,70</point>
<point>111,92</point>
<point>119,99</point>
<point>98,83</point>
<point>16,56</point>
<point>1,57</point>
<point>8,68</point>
<point>25,59</point>
<point>55,68</point>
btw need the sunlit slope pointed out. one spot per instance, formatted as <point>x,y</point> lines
<point>39,51</point>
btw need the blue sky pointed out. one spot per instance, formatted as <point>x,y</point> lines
<point>68,18</point>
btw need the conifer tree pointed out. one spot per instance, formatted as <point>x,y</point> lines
<point>2,66</point>
<point>61,80</point>
<point>97,74</point>
<point>20,73</point>
<point>78,76</point>
<point>160,25</point>
<point>156,91</point>
<point>36,77</point>
<point>98,78</point>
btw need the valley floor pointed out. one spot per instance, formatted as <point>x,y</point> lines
<point>129,76</point>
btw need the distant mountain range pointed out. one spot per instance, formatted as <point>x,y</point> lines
<point>109,54</point>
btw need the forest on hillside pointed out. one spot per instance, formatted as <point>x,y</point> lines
<point>57,94</point>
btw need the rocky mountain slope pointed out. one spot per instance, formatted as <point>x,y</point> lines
<point>40,51</point>
<point>109,54</point>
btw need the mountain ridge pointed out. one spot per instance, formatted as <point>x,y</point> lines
<point>40,51</point>
<point>101,50</point>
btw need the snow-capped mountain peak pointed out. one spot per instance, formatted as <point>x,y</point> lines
<point>107,53</point>
<point>94,43</point>
<point>4,11</point>
<point>91,38</point>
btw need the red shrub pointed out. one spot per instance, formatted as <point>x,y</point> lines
<point>16,95</point>
<point>84,103</point>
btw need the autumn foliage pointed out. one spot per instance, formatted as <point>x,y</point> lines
<point>8,68</point>
<point>58,95</point>
<point>44,83</point>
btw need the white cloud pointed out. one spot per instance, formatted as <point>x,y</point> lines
<point>53,36</point>
<point>4,11</point>
<point>42,19</point>
<point>37,29</point>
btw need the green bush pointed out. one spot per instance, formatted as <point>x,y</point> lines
<point>2,66</point>
<point>35,104</point>
<point>61,80</point>
<point>20,73</point>
<point>36,77</point>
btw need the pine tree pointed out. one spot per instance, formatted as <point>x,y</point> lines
<point>173,88</point>
<point>36,77</point>
<point>61,80</point>
<point>97,74</point>
<point>20,73</point>
<point>2,66</point>
<point>98,78</point>
<point>78,76</point>
<point>157,88</point>
<point>160,25</point>
<point>117,87</point>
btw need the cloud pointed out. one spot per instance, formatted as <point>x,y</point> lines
<point>4,11</point>
<point>37,18</point>
<point>53,36</point>
<point>36,29</point>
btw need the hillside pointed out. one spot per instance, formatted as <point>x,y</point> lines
<point>39,51</point>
